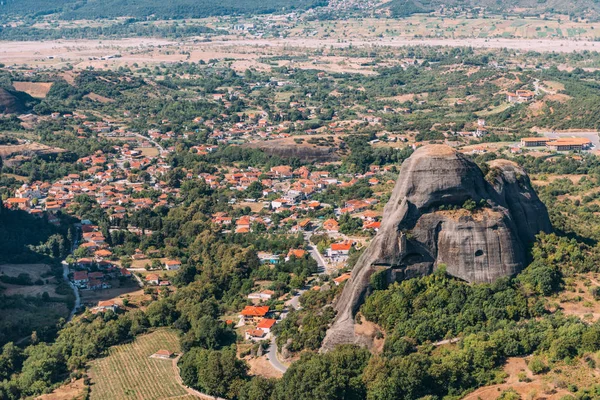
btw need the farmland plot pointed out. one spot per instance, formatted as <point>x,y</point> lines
<point>128,372</point>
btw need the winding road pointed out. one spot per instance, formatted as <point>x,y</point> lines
<point>294,303</point>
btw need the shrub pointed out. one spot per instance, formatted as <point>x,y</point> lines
<point>537,365</point>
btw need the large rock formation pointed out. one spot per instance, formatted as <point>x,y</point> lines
<point>429,220</point>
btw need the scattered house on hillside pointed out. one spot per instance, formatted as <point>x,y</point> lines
<point>172,265</point>
<point>342,278</point>
<point>252,314</point>
<point>296,253</point>
<point>264,295</point>
<point>255,334</point>
<point>520,96</point>
<point>374,225</point>
<point>164,354</point>
<point>331,226</point>
<point>152,279</point>
<point>138,255</point>
<point>106,305</point>
<point>339,250</point>
<point>266,324</point>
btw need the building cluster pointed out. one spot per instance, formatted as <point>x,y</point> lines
<point>558,144</point>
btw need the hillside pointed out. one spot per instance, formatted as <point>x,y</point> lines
<point>70,9</point>
<point>9,103</point>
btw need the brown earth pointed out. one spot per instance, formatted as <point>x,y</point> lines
<point>577,299</point>
<point>69,391</point>
<point>99,98</point>
<point>7,151</point>
<point>34,89</point>
<point>537,388</point>
<point>260,366</point>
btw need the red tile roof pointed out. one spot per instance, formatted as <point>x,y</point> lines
<point>252,311</point>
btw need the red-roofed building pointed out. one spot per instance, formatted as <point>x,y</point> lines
<point>341,278</point>
<point>339,249</point>
<point>297,253</point>
<point>253,314</point>
<point>172,265</point>
<point>266,324</point>
<point>255,334</point>
<point>80,278</point>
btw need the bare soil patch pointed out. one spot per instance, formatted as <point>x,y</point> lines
<point>255,207</point>
<point>34,89</point>
<point>537,388</point>
<point>99,98</point>
<point>577,298</point>
<point>260,366</point>
<point>148,151</point>
<point>28,149</point>
<point>116,293</point>
<point>70,391</point>
<point>369,332</point>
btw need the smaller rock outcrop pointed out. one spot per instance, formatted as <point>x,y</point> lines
<point>444,211</point>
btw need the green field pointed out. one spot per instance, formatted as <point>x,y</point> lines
<point>128,372</point>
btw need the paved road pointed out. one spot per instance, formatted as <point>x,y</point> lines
<point>66,271</point>
<point>272,355</point>
<point>314,253</point>
<point>294,303</point>
<point>137,278</point>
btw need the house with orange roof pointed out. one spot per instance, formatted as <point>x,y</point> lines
<point>106,305</point>
<point>172,265</point>
<point>17,203</point>
<point>296,253</point>
<point>253,314</point>
<point>152,279</point>
<point>339,250</point>
<point>371,225</point>
<point>255,334</point>
<point>266,324</point>
<point>331,226</point>
<point>342,278</point>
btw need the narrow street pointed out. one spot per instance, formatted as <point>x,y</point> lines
<point>314,253</point>
<point>66,271</point>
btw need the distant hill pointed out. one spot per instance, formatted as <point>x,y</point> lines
<point>577,8</point>
<point>174,9</point>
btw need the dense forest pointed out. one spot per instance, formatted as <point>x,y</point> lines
<point>93,9</point>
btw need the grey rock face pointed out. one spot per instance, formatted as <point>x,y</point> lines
<point>418,231</point>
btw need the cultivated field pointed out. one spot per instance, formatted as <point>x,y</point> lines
<point>128,372</point>
<point>34,89</point>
